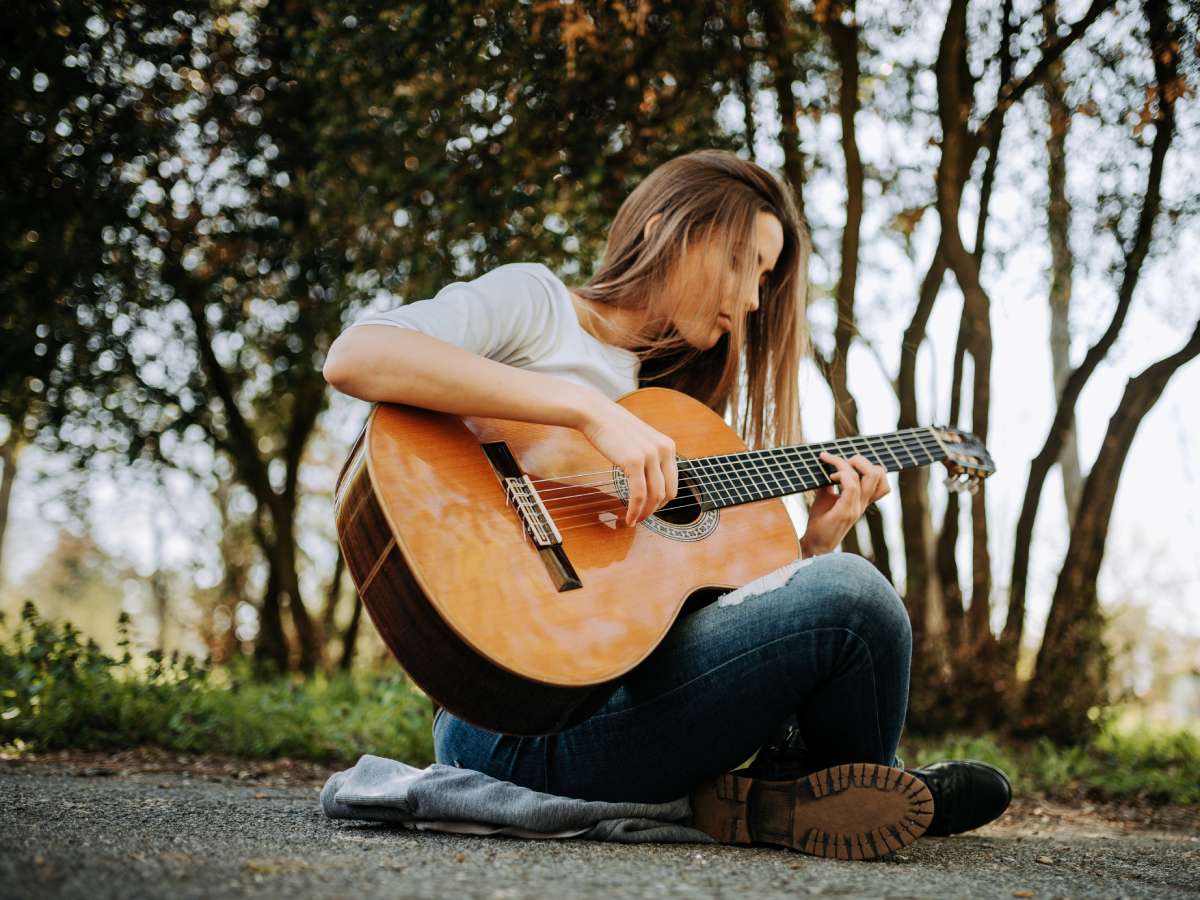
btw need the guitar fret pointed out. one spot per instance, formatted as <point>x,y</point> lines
<point>748,475</point>
<point>734,483</point>
<point>735,465</point>
<point>810,456</point>
<point>791,476</point>
<point>905,448</point>
<point>752,471</point>
<point>814,476</point>
<point>895,459</point>
<point>758,458</point>
<point>767,463</point>
<point>712,481</point>
<point>735,478</point>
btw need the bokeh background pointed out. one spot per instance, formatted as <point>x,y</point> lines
<point>199,195</point>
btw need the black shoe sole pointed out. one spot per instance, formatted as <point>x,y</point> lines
<point>859,811</point>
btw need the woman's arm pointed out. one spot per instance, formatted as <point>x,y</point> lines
<point>384,363</point>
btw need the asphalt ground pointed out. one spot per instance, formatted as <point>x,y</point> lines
<point>98,827</point>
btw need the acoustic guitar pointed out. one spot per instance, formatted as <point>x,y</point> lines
<point>493,557</point>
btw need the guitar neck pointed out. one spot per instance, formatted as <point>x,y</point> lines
<point>730,479</point>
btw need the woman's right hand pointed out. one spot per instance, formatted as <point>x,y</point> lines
<point>645,455</point>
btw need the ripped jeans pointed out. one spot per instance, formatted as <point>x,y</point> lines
<point>826,639</point>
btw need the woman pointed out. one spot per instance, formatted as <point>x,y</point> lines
<point>702,286</point>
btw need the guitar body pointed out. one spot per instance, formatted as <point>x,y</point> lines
<point>469,606</point>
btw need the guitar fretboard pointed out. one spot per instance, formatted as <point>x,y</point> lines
<point>733,478</point>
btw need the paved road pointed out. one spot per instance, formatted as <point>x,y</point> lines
<point>73,832</point>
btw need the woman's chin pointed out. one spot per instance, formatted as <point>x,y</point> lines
<point>704,340</point>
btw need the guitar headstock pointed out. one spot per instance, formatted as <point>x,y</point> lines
<point>966,459</point>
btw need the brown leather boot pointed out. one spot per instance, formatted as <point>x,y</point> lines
<point>857,811</point>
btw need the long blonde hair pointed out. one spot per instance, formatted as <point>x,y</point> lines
<point>714,195</point>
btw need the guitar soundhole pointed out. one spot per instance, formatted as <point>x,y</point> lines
<point>685,508</point>
<point>682,519</point>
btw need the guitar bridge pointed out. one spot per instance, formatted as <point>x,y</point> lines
<point>532,511</point>
<point>535,518</point>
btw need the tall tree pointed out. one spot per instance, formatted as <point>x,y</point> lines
<point>1062,262</point>
<point>1072,664</point>
<point>1164,89</point>
<point>780,29</point>
<point>841,25</point>
<point>73,116</point>
<point>9,452</point>
<point>1071,678</point>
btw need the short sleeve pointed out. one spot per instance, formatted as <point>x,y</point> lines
<point>504,314</point>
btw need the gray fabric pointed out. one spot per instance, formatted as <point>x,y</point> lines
<point>448,798</point>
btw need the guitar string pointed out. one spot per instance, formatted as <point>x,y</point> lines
<point>922,433</point>
<point>596,518</point>
<point>732,492</point>
<point>778,473</point>
<point>720,478</point>
<point>695,466</point>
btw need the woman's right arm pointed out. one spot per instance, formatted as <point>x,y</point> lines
<point>385,363</point>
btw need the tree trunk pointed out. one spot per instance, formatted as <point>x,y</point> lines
<point>959,149</point>
<point>953,609</point>
<point>270,646</point>
<point>1166,61</point>
<point>955,86</point>
<point>1072,664</point>
<point>289,593</point>
<point>844,39</point>
<point>1062,263</point>
<point>332,595</point>
<point>915,518</point>
<point>9,451</point>
<point>745,78</point>
<point>779,52</point>
<point>226,644</point>
<point>845,44</point>
<point>350,638</point>
<point>242,446</point>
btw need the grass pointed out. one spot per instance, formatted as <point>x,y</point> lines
<point>1140,763</point>
<point>59,691</point>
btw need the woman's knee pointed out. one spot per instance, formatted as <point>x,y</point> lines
<point>862,597</point>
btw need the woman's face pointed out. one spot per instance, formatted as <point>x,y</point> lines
<point>700,318</point>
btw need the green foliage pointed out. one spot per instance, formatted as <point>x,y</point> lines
<point>58,691</point>
<point>1142,763</point>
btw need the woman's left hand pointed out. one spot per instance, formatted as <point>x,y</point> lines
<point>834,512</point>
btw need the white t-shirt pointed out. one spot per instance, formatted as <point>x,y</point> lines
<point>520,314</point>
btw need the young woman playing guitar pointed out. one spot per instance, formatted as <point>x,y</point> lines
<point>702,288</point>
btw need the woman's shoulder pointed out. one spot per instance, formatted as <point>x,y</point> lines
<point>534,285</point>
<point>526,273</point>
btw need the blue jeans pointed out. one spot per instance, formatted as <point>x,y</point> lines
<point>832,645</point>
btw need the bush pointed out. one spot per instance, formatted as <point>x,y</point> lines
<point>1141,763</point>
<point>57,691</point>
<point>60,692</point>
